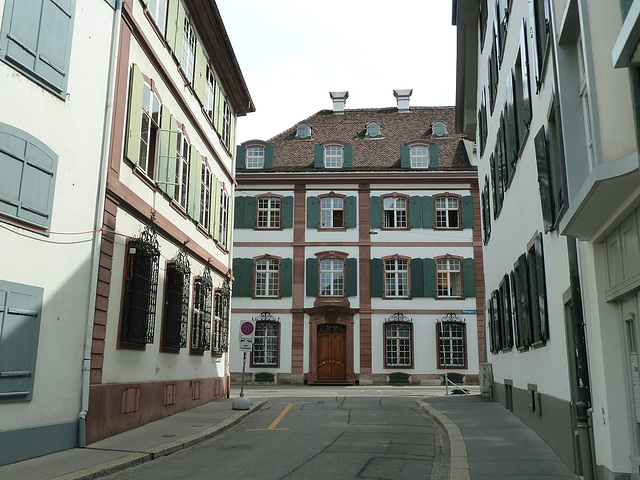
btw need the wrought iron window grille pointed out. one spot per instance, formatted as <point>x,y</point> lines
<point>202,300</point>
<point>221,319</point>
<point>399,318</point>
<point>452,341</point>
<point>176,313</point>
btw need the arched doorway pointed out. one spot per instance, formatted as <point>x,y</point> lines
<point>332,352</point>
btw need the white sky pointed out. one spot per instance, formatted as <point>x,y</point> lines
<point>293,53</point>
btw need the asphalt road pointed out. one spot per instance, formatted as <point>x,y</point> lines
<point>328,435</point>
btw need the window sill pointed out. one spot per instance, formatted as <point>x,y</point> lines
<point>222,248</point>
<point>332,229</point>
<point>203,230</point>
<point>266,297</point>
<point>178,208</point>
<point>196,353</point>
<point>146,179</point>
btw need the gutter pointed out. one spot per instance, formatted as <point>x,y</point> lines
<point>98,222</point>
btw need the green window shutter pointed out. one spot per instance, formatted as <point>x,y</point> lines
<point>163,175</point>
<point>249,212</point>
<point>200,73</point>
<point>377,278</point>
<point>375,204</point>
<point>214,215</point>
<point>544,179</point>
<point>433,156</point>
<point>172,158</point>
<point>405,156</point>
<point>134,117</point>
<point>350,208</point>
<point>417,278</point>
<point>428,213</point>
<point>27,177</point>
<point>232,131</point>
<point>241,157</point>
<point>239,212</point>
<point>36,39</point>
<point>286,277</point>
<point>229,225</point>
<point>312,277</point>
<point>220,112</point>
<point>268,156</point>
<point>318,156</point>
<point>415,212</point>
<point>469,277</point>
<point>175,27</point>
<point>429,271</point>
<point>20,316</point>
<point>312,212</point>
<point>243,277</point>
<point>467,212</point>
<point>347,156</point>
<point>287,212</point>
<point>351,277</point>
<point>195,184</point>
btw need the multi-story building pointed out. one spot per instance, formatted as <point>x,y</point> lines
<point>549,89</point>
<point>54,78</point>
<point>357,249</point>
<point>160,332</point>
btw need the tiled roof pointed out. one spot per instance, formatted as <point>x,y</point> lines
<point>372,154</point>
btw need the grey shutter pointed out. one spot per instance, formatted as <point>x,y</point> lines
<point>429,271</point>
<point>351,277</point>
<point>428,213</point>
<point>405,156</point>
<point>417,278</point>
<point>542,289</point>
<point>249,217</point>
<point>377,278</point>
<point>525,119</point>
<point>287,212</point>
<point>347,156</point>
<point>544,178</point>
<point>467,211</point>
<point>318,156</point>
<point>415,212</point>
<point>268,156</point>
<point>134,115</point>
<point>286,277</point>
<point>511,125</point>
<point>241,157</point>
<point>312,277</point>
<point>350,208</point>
<point>522,296</point>
<point>20,317</point>
<point>312,212</point>
<point>469,277</point>
<point>434,162</point>
<point>36,39</point>
<point>376,212</point>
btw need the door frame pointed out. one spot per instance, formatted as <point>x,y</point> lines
<point>331,315</point>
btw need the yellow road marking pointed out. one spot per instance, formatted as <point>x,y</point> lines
<point>275,422</point>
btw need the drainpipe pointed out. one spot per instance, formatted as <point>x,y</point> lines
<point>97,222</point>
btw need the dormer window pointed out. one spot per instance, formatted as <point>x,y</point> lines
<point>419,156</point>
<point>255,157</point>
<point>333,156</point>
<point>373,130</point>
<point>439,129</point>
<point>303,132</point>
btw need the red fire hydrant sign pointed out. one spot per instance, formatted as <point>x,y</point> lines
<point>247,333</point>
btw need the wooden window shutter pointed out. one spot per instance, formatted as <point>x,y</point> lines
<point>200,72</point>
<point>241,157</point>
<point>318,156</point>
<point>417,278</point>
<point>249,218</point>
<point>214,212</point>
<point>229,224</point>
<point>134,116</point>
<point>542,289</point>
<point>405,156</point>
<point>312,277</point>
<point>313,214</point>
<point>287,212</point>
<point>175,27</point>
<point>375,203</point>
<point>467,211</point>
<point>429,271</point>
<point>286,277</point>
<point>163,174</point>
<point>377,278</point>
<point>268,156</point>
<point>351,277</point>
<point>433,156</point>
<point>544,178</point>
<point>347,156</point>
<point>428,212</point>
<point>469,277</point>
<point>195,183</point>
<point>415,212</point>
<point>350,209</point>
<point>239,212</point>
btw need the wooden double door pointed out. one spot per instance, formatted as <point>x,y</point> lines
<point>332,352</point>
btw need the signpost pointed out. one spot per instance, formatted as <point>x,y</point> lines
<point>247,334</point>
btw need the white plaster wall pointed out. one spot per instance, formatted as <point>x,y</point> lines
<point>60,263</point>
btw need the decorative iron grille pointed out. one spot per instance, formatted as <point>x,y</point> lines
<point>266,342</point>
<point>221,319</point>
<point>201,323</point>
<point>141,287</point>
<point>452,341</point>
<point>176,311</point>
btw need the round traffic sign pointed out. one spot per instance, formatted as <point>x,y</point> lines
<point>246,328</point>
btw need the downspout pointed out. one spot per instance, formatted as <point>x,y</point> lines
<point>98,221</point>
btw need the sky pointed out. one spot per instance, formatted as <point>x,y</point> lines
<point>293,53</point>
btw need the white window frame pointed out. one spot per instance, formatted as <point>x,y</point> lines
<point>452,344</point>
<point>187,61</point>
<point>267,283</point>
<point>210,94</point>
<point>398,339</point>
<point>226,126</point>
<point>205,196</point>
<point>224,218</point>
<point>182,170</point>
<point>331,277</point>
<point>255,157</point>
<point>266,344</point>
<point>447,212</point>
<point>394,210</point>
<point>396,277</point>
<point>151,120</point>
<point>269,212</point>
<point>329,208</point>
<point>333,156</point>
<point>158,11</point>
<point>449,277</point>
<point>419,156</point>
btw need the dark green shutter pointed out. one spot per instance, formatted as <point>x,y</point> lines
<point>312,212</point>
<point>467,212</point>
<point>286,277</point>
<point>312,277</point>
<point>347,153</point>
<point>268,156</point>
<point>429,271</point>
<point>417,278</point>
<point>351,277</point>
<point>469,277</point>
<point>239,212</point>
<point>544,179</point>
<point>433,156</point>
<point>350,208</point>
<point>249,218</point>
<point>243,277</point>
<point>241,157</point>
<point>376,212</point>
<point>428,220</point>
<point>318,156</point>
<point>134,116</point>
<point>405,156</point>
<point>287,212</point>
<point>415,212</point>
<point>377,278</point>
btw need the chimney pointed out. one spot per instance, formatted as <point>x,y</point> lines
<point>339,98</point>
<point>403,99</point>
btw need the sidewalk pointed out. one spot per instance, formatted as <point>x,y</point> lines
<point>488,442</point>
